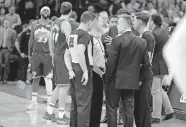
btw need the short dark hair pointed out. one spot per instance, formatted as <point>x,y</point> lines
<point>157,20</point>
<point>123,11</point>
<point>128,19</point>
<point>87,16</point>
<point>73,15</point>
<point>66,8</point>
<point>144,17</point>
<point>12,6</point>
<point>113,16</point>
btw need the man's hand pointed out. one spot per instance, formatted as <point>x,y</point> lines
<point>30,59</point>
<point>22,55</point>
<point>108,40</point>
<point>84,79</point>
<point>71,74</point>
<point>166,80</point>
<point>13,26</point>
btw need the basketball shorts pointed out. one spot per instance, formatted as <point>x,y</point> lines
<point>42,65</point>
<point>60,71</point>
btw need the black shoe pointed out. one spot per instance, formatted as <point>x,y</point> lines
<point>120,121</point>
<point>50,117</point>
<point>155,121</point>
<point>104,120</point>
<point>4,82</point>
<point>168,116</point>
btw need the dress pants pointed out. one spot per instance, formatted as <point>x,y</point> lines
<point>97,101</point>
<point>143,105</point>
<point>159,97</point>
<point>4,64</point>
<point>113,96</point>
<point>22,70</point>
<point>81,99</point>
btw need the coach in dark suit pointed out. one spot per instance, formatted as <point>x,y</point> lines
<point>127,54</point>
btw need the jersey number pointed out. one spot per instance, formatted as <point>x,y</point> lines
<point>43,40</point>
<point>55,36</point>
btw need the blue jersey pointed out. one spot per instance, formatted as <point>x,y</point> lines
<point>58,37</point>
<point>41,37</point>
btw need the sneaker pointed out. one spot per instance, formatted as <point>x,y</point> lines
<point>64,121</point>
<point>168,116</point>
<point>155,121</point>
<point>32,106</point>
<point>50,117</point>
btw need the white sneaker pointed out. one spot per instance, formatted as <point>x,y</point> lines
<point>32,106</point>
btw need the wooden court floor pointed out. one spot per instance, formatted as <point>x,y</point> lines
<point>13,113</point>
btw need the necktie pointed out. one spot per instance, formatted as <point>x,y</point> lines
<point>4,39</point>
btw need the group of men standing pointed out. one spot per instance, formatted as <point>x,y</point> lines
<point>78,60</point>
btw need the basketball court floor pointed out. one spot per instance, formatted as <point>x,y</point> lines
<point>13,110</point>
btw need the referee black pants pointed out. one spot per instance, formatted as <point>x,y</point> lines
<point>143,105</point>
<point>81,99</point>
<point>97,101</point>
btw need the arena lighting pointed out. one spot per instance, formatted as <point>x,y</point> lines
<point>174,53</point>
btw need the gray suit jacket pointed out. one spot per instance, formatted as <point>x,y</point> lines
<point>10,39</point>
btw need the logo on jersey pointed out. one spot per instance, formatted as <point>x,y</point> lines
<point>42,35</point>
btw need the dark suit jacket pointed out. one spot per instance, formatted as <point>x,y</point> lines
<point>126,55</point>
<point>161,36</point>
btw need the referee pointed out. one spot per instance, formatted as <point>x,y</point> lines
<point>78,59</point>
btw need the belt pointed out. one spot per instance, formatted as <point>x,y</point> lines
<point>41,51</point>
<point>78,67</point>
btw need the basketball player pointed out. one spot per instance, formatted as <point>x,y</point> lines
<point>61,29</point>
<point>39,52</point>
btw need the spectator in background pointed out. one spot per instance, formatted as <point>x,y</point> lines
<point>117,4</point>
<point>7,46</point>
<point>72,20</point>
<point>8,3</point>
<point>104,4</point>
<point>133,6</point>
<point>29,11</point>
<point>2,15</point>
<point>22,47</point>
<point>19,5</point>
<point>151,8</point>
<point>91,8</point>
<point>13,18</point>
